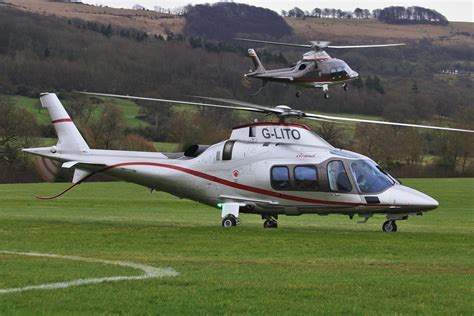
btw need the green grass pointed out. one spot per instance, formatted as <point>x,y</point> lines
<point>33,106</point>
<point>309,265</point>
<point>129,108</point>
<point>130,112</point>
<point>167,147</point>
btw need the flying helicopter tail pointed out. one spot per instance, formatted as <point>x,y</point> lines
<point>256,61</point>
<point>69,137</point>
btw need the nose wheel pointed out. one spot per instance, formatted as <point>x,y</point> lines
<point>326,95</point>
<point>345,87</point>
<point>298,94</point>
<point>389,227</point>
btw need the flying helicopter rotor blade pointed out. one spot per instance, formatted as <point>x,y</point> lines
<point>273,43</point>
<point>251,109</point>
<point>365,46</point>
<point>335,118</point>
<point>242,103</point>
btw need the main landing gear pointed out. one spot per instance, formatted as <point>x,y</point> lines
<point>270,221</point>
<point>345,87</point>
<point>298,93</point>
<point>229,221</point>
<point>389,226</point>
<point>325,90</point>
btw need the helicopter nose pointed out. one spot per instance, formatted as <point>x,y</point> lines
<point>354,74</point>
<point>411,200</point>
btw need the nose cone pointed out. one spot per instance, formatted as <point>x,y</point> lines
<point>411,200</point>
<point>354,74</point>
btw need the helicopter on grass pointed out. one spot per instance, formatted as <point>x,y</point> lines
<point>268,168</point>
<point>316,69</point>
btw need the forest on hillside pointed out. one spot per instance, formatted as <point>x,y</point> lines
<point>222,21</point>
<point>43,53</point>
<point>392,15</point>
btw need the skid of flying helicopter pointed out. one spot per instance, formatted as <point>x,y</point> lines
<point>316,69</point>
<point>268,168</point>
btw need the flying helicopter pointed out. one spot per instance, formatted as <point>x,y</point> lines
<point>316,69</point>
<point>266,168</point>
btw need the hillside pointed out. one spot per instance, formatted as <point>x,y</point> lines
<point>44,52</point>
<point>149,21</point>
<point>456,33</point>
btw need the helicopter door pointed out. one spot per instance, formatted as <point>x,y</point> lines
<point>337,177</point>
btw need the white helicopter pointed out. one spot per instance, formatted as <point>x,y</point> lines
<point>269,169</point>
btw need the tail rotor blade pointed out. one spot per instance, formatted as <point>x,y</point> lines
<point>47,169</point>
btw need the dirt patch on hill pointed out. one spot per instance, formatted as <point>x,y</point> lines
<point>149,21</point>
<point>353,30</point>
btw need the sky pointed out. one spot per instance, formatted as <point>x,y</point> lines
<point>454,10</point>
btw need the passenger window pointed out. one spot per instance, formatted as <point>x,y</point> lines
<point>333,70</point>
<point>302,67</point>
<point>280,178</point>
<point>337,177</point>
<point>306,178</point>
<point>339,69</point>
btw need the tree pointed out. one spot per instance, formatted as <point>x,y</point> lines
<point>358,83</point>
<point>358,13</point>
<point>296,12</point>
<point>18,129</point>
<point>107,129</point>
<point>332,133</point>
<point>317,12</point>
<point>377,84</point>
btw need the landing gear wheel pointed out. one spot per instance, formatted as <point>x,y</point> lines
<point>326,95</point>
<point>298,94</point>
<point>389,227</point>
<point>345,87</point>
<point>270,223</point>
<point>229,221</point>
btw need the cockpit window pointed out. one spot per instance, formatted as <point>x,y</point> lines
<point>302,67</point>
<point>369,178</point>
<point>337,176</point>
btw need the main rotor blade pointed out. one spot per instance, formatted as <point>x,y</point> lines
<point>335,118</point>
<point>242,103</point>
<point>365,46</point>
<point>273,43</point>
<point>321,120</point>
<point>173,101</point>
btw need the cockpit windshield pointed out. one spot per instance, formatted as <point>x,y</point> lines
<point>347,69</point>
<point>369,178</point>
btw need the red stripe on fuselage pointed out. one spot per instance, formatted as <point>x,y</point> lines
<point>272,124</point>
<point>62,120</point>
<point>238,185</point>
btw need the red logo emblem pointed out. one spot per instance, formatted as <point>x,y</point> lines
<point>235,174</point>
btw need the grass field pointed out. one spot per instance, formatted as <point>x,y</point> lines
<point>309,265</point>
<point>129,108</point>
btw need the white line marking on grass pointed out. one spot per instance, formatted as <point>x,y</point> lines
<point>149,272</point>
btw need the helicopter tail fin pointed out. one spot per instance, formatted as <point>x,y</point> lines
<point>256,61</point>
<point>69,137</point>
